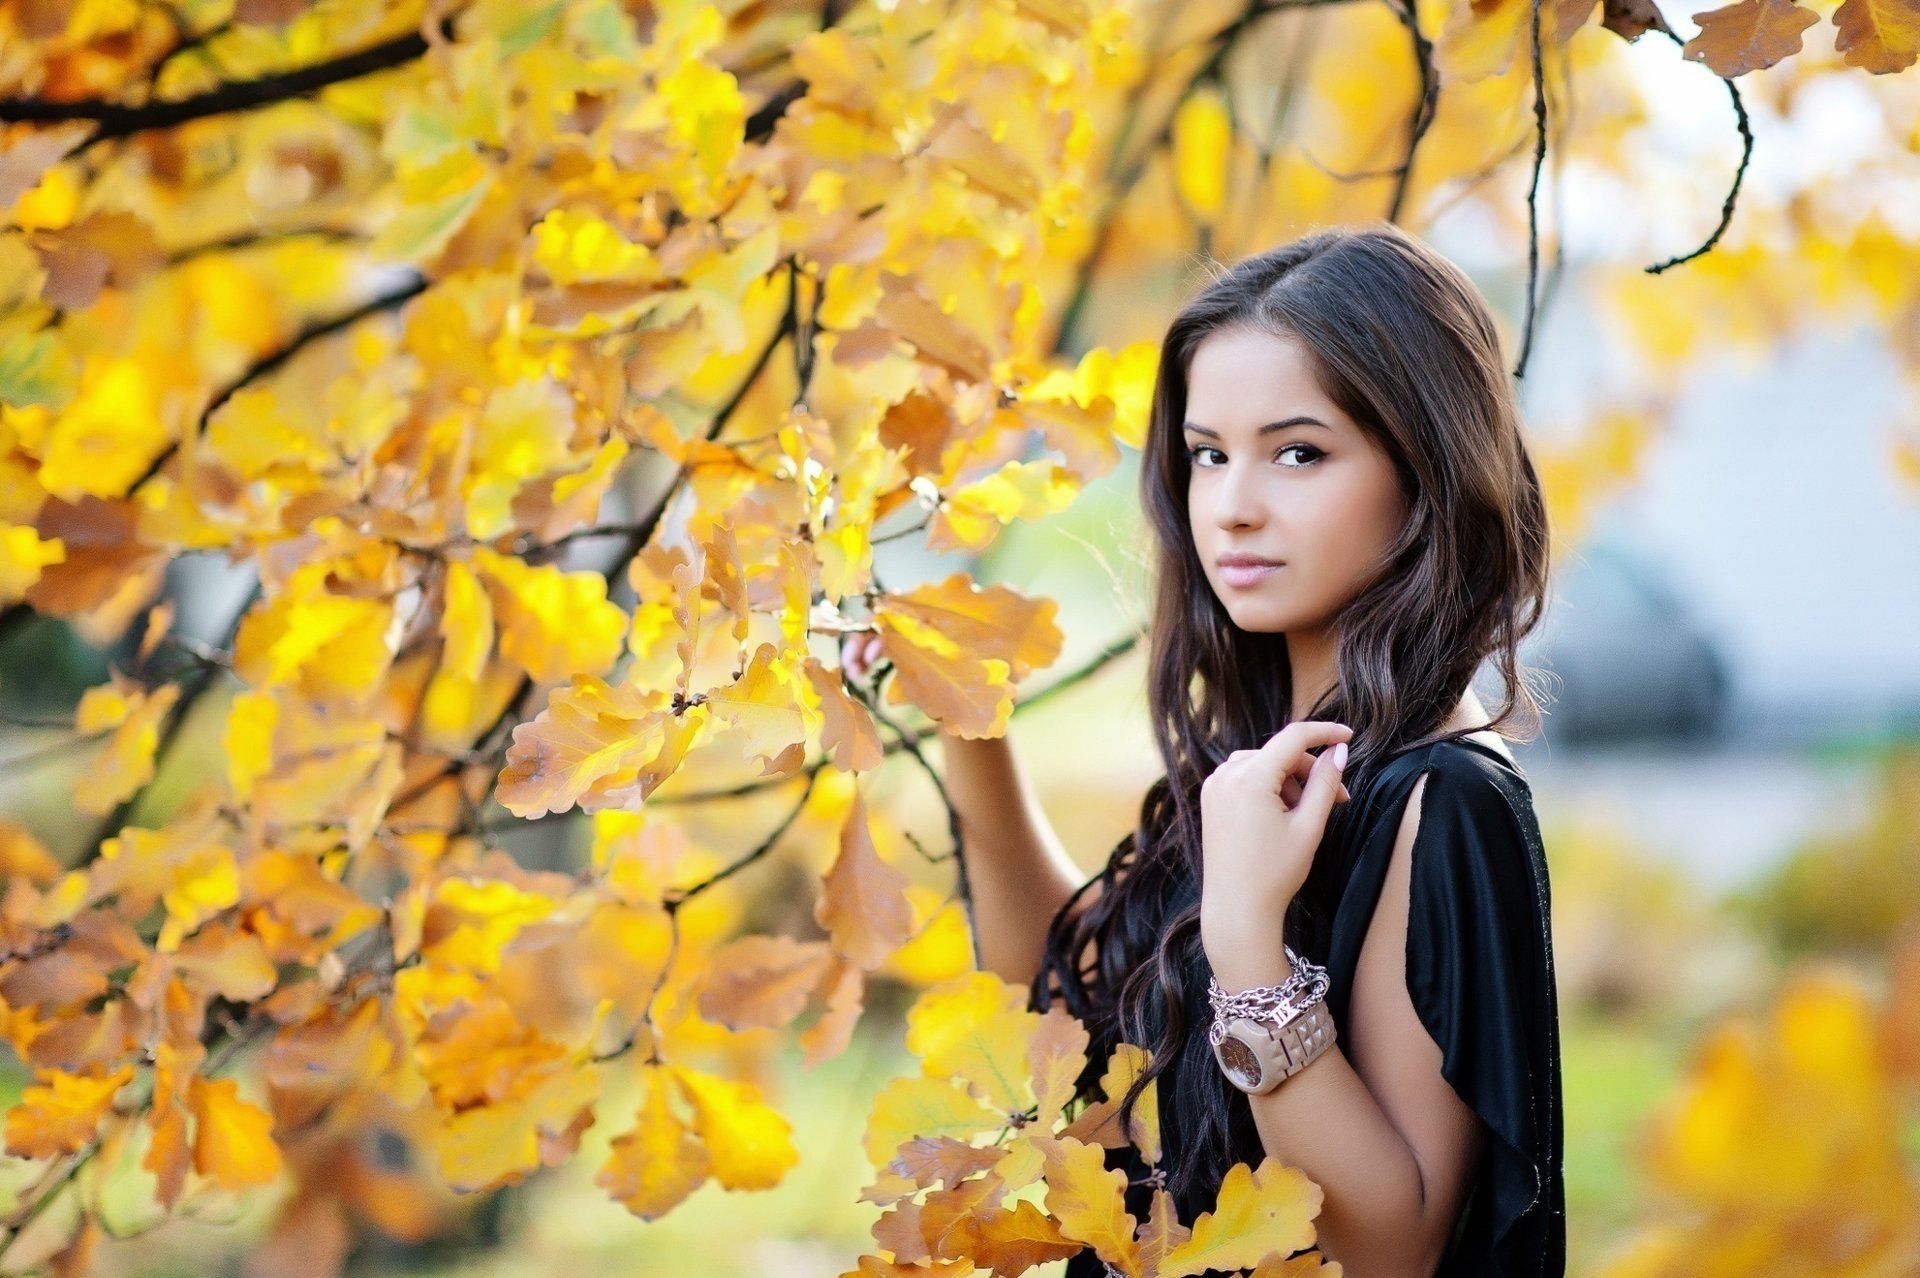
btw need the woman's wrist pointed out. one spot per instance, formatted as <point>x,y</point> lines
<point>1243,955</point>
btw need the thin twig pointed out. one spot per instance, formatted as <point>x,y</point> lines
<point>1739,174</point>
<point>1533,188</point>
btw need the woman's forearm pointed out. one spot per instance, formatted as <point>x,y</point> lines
<point>1376,1217</point>
<point>1019,873</point>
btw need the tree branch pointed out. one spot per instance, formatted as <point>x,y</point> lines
<point>1739,174</point>
<point>271,363</point>
<point>1424,110</point>
<point>120,120</point>
<point>1533,188</point>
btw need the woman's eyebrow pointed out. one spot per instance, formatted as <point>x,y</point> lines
<point>1269,428</point>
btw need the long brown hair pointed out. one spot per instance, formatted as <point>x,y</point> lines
<point>1403,342</point>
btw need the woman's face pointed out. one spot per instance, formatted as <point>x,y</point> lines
<point>1280,473</point>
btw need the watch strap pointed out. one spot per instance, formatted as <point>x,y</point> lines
<point>1257,1056</point>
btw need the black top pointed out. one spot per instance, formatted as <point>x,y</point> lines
<point>1480,974</point>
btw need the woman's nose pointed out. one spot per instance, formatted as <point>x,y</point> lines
<point>1239,500</point>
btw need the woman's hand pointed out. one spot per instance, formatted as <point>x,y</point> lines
<point>1262,815</point>
<point>859,653</point>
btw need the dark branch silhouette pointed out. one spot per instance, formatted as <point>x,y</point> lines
<point>120,120</point>
<point>1533,187</point>
<point>1739,174</point>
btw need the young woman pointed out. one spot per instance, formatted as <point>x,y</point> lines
<point>1347,526</point>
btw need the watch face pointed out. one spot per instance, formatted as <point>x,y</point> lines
<point>1238,1060</point>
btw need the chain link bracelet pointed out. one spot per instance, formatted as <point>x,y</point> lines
<point>1277,1004</point>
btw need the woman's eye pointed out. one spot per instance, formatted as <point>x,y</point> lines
<point>1309,454</point>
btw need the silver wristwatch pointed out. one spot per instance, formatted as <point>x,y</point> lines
<point>1261,1037</point>
<point>1257,1056</point>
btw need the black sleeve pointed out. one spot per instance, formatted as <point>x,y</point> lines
<point>1480,973</point>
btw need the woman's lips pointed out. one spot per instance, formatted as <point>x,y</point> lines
<point>1242,575</point>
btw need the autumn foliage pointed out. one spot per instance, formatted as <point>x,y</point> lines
<point>545,375</point>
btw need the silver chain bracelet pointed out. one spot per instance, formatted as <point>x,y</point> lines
<point>1277,1004</point>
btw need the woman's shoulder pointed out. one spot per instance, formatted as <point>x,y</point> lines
<point>1464,757</point>
<point>1462,772</point>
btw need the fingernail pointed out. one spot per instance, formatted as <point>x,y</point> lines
<point>1340,755</point>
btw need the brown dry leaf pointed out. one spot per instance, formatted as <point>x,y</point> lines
<point>1631,19</point>
<point>1749,35</point>
<point>761,982</point>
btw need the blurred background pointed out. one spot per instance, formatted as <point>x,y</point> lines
<point>1729,775</point>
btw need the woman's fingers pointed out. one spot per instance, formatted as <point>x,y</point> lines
<point>858,652</point>
<point>1286,756</point>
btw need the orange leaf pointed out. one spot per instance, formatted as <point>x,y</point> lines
<point>1880,36</point>
<point>845,986</point>
<point>863,902</point>
<point>61,1113</point>
<point>232,1137</point>
<point>957,649</point>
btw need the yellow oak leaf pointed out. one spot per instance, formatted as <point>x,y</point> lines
<point>1056,1055</point>
<point>971,517</point>
<point>1202,147</point>
<point>957,648</point>
<point>482,1055</point>
<point>844,993</point>
<point>102,441</point>
<point>1260,1214</point>
<point>1100,1122</point>
<point>521,434</point>
<point>473,919</point>
<point>769,705</point>
<point>1013,1239</point>
<point>944,1160</point>
<point>941,946</point>
<point>205,882</point>
<point>248,740</point>
<point>1162,1234</point>
<point>336,644</point>
<point>909,1109</point>
<point>847,733</point>
<point>749,1143</point>
<point>1088,1202</point>
<point>232,1137</point>
<point>25,857</point>
<point>23,554</point>
<point>61,1113</point>
<point>487,1146</point>
<point>976,1028</point>
<point>125,763</point>
<point>170,1152</point>
<point>595,745</point>
<point>572,245</point>
<point>466,624</point>
<point>221,959</point>
<point>553,624</point>
<point>657,1163</point>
